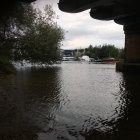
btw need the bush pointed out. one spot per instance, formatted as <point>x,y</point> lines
<point>6,66</point>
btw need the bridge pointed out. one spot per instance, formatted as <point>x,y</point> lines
<point>124,12</point>
<point>7,5</point>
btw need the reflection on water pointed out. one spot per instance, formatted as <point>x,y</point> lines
<point>129,123</point>
<point>71,101</point>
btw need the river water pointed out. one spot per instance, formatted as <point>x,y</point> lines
<point>70,101</point>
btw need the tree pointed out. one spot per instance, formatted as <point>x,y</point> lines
<point>30,34</point>
<point>90,51</point>
<point>12,24</point>
<point>104,51</point>
<point>41,43</point>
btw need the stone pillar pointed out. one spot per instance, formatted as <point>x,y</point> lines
<point>132,44</point>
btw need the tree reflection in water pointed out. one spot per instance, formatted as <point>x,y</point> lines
<point>24,100</point>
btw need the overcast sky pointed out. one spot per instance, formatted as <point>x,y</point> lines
<point>82,30</point>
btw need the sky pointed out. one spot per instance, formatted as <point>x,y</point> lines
<point>82,30</point>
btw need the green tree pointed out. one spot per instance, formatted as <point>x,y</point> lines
<point>41,43</point>
<point>104,51</point>
<point>107,50</point>
<point>90,51</point>
<point>12,25</point>
<point>29,34</point>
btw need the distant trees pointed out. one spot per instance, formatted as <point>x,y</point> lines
<point>101,51</point>
<point>30,34</point>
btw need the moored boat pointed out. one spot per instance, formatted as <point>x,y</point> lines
<point>107,61</point>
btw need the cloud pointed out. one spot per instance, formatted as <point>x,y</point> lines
<point>82,30</point>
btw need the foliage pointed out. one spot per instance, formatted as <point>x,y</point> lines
<point>99,52</point>
<point>12,25</point>
<point>6,66</point>
<point>30,34</point>
<point>41,43</point>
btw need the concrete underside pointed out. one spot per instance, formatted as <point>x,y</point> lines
<point>102,9</point>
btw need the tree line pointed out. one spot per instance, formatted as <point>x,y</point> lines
<point>100,52</point>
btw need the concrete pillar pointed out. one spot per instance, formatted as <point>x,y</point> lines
<point>132,43</point>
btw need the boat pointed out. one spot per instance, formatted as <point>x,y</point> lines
<point>68,58</point>
<point>107,61</point>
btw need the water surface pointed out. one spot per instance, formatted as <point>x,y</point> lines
<point>71,101</point>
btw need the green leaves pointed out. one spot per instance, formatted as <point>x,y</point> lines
<point>101,51</point>
<point>30,34</point>
<point>41,43</point>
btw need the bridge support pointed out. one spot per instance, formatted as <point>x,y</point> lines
<point>132,45</point>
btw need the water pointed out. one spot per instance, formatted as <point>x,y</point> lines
<point>71,101</point>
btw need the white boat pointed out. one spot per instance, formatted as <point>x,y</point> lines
<point>85,58</point>
<point>68,59</point>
